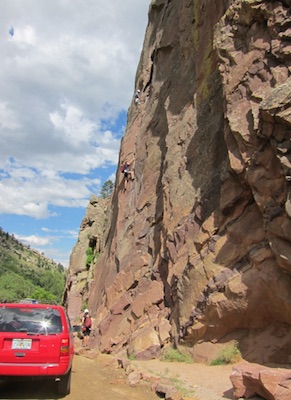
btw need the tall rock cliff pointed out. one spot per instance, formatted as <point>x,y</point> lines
<point>197,249</point>
<point>85,252</point>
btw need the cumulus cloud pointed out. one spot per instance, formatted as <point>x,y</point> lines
<point>74,127</point>
<point>34,240</point>
<point>67,69</point>
<point>30,192</point>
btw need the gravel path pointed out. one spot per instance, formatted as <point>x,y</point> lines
<point>195,381</point>
<point>198,381</point>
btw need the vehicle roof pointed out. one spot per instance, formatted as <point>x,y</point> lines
<point>31,305</point>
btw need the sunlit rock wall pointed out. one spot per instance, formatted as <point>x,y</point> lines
<point>80,273</point>
<point>196,250</point>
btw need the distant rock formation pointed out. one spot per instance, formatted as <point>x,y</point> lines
<point>81,268</point>
<point>198,247</point>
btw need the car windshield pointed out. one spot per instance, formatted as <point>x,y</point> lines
<point>31,320</point>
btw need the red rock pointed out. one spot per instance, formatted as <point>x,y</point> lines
<point>211,141</point>
<point>168,392</point>
<point>121,305</point>
<point>134,378</point>
<point>249,380</point>
<point>143,301</point>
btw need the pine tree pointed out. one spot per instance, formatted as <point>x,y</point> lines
<point>107,189</point>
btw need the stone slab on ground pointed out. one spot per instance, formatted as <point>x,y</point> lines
<point>249,379</point>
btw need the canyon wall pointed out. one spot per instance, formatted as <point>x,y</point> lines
<point>83,257</point>
<point>196,250</point>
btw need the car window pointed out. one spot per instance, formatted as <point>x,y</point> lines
<point>68,322</point>
<point>30,320</point>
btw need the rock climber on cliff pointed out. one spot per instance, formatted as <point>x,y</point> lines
<point>136,97</point>
<point>128,173</point>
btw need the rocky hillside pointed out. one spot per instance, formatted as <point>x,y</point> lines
<point>25,272</point>
<point>197,249</point>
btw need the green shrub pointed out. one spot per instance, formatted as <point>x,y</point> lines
<point>90,255</point>
<point>174,355</point>
<point>43,295</point>
<point>229,354</point>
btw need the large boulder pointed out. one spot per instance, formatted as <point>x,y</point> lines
<point>249,380</point>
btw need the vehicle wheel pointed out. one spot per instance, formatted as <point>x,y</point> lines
<point>64,386</point>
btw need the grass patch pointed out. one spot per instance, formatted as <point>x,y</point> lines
<point>175,381</point>
<point>174,355</point>
<point>163,374</point>
<point>230,354</point>
<point>180,386</point>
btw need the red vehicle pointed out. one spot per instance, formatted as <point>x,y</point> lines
<point>36,341</point>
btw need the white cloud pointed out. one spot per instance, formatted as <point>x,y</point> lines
<point>20,192</point>
<point>34,240</point>
<point>58,256</point>
<point>73,125</point>
<point>8,118</point>
<point>68,233</point>
<point>24,36</point>
<point>68,68</point>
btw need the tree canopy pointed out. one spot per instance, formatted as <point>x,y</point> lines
<point>107,189</point>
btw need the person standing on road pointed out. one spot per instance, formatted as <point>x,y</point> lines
<point>86,328</point>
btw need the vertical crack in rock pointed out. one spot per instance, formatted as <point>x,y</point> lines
<point>197,249</point>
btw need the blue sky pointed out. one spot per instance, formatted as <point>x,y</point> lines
<point>67,76</point>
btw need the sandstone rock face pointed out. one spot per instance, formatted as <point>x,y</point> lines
<point>198,246</point>
<point>81,273</point>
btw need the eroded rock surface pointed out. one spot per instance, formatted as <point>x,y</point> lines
<point>80,274</point>
<point>198,247</point>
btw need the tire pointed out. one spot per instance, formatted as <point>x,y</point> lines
<point>64,386</point>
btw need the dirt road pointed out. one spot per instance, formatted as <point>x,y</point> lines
<point>99,378</point>
<point>91,379</point>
